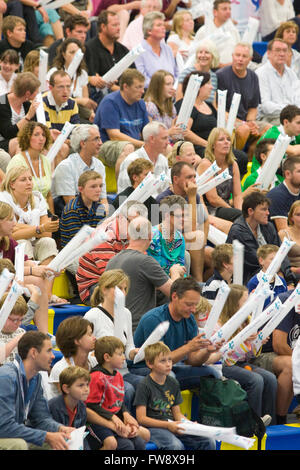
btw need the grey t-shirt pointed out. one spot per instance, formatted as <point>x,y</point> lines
<point>145,275</point>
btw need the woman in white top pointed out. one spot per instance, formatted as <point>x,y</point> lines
<point>271,14</point>
<point>110,317</point>
<point>9,64</point>
<point>181,37</point>
<point>79,86</point>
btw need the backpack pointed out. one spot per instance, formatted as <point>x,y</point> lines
<point>223,402</point>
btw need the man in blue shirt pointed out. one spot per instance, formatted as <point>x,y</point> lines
<point>189,350</point>
<point>122,114</point>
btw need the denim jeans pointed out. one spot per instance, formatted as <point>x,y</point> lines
<point>166,440</point>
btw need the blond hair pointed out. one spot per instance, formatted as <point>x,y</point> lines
<point>108,279</point>
<point>222,254</point>
<point>70,374</point>
<point>154,350</point>
<point>212,138</point>
<point>291,212</point>
<point>11,176</point>
<point>6,211</point>
<point>231,305</point>
<point>107,345</point>
<point>178,22</point>
<point>265,250</point>
<point>20,307</point>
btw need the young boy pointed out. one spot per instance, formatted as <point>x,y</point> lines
<point>14,32</point>
<point>68,408</point>
<point>157,403</point>
<point>222,260</point>
<point>110,421</point>
<point>202,312</point>
<point>265,255</point>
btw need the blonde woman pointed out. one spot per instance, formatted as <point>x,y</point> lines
<point>102,315</point>
<point>181,37</point>
<point>218,200</point>
<point>292,232</point>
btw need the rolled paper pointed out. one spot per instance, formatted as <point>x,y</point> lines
<point>188,101</point>
<point>252,327</point>
<point>57,4</point>
<point>179,62</point>
<point>221,115</point>
<point>275,264</point>
<point>116,71</point>
<point>265,284</point>
<point>286,307</point>
<point>43,69</point>
<point>208,173</point>
<point>251,30</point>
<point>216,310</point>
<point>5,278</point>
<point>228,329</point>
<point>72,69</point>
<point>119,305</point>
<point>234,107</point>
<point>273,161</point>
<point>224,176</point>
<point>19,262</point>
<point>216,236</point>
<point>157,334</point>
<point>15,291</point>
<point>238,262</point>
<point>40,112</point>
<point>76,439</point>
<point>55,148</point>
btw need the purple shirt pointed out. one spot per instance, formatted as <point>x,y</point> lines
<point>148,63</point>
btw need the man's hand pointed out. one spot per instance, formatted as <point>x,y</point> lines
<point>199,342</point>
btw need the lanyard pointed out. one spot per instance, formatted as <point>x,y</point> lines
<point>38,179</point>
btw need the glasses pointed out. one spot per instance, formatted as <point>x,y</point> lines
<point>95,139</point>
<point>16,321</point>
<point>284,51</point>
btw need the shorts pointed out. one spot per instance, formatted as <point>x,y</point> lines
<point>97,434</point>
<point>40,249</point>
<point>45,29</point>
<point>265,361</point>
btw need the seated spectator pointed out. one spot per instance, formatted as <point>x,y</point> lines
<point>190,351</point>
<point>222,261</point>
<point>206,61</point>
<point>221,24</point>
<point>9,65</point>
<point>137,170</point>
<point>114,150</point>
<point>181,37</point>
<point>86,143</point>
<point>84,209</point>
<point>183,150</point>
<point>261,154</point>
<point>144,272</point>
<point>202,312</point>
<point>282,196</point>
<point>272,14</point>
<point>60,108</point>
<point>14,32</point>
<point>34,140</point>
<point>102,52</point>
<point>133,34</point>
<point>69,407</point>
<point>253,229</point>
<point>123,10</point>
<point>292,233</point>
<point>168,245</point>
<point>80,80</point>
<point>265,255</point>
<point>159,101</point>
<point>34,355</point>
<point>158,55</point>
<point>155,142</point>
<point>288,31</point>
<point>225,200</point>
<point>32,62</point>
<point>49,25</point>
<point>122,114</point>
<point>75,26</point>
<point>93,263</point>
<point>164,424</point>
<point>17,108</point>
<point>76,341</point>
<point>278,84</point>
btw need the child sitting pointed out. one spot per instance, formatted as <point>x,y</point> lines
<point>265,255</point>
<point>69,407</point>
<point>202,312</point>
<point>113,425</point>
<point>222,260</point>
<point>157,403</point>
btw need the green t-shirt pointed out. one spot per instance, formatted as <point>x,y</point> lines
<point>251,179</point>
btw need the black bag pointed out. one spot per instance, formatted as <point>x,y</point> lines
<point>224,403</point>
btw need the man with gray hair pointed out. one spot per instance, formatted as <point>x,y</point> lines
<point>86,142</point>
<point>156,139</point>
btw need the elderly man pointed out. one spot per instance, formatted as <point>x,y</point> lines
<point>122,114</point>
<point>278,83</point>
<point>155,135</point>
<point>86,143</point>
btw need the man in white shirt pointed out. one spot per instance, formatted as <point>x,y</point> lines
<point>221,30</point>
<point>86,143</point>
<point>279,85</point>
<point>155,135</point>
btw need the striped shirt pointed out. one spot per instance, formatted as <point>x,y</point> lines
<point>93,263</point>
<point>56,117</point>
<point>212,285</point>
<point>76,214</point>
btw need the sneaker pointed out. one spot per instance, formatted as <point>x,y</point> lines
<point>266,419</point>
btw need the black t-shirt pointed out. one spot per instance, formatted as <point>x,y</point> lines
<point>99,59</point>
<point>202,123</point>
<point>247,87</point>
<point>22,51</point>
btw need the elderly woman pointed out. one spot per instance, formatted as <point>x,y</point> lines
<point>34,140</point>
<point>206,59</point>
<point>289,32</point>
<point>17,108</point>
<point>158,55</point>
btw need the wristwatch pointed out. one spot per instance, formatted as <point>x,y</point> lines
<point>38,230</point>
